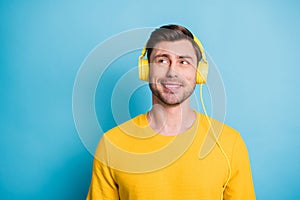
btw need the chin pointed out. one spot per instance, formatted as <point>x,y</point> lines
<point>171,102</point>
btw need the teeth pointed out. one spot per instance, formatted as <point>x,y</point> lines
<point>172,86</point>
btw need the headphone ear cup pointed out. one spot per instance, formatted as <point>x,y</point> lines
<point>202,72</point>
<point>144,69</point>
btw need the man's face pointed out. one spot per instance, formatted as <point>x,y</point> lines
<point>173,68</point>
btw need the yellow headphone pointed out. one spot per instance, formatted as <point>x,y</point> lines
<point>202,68</point>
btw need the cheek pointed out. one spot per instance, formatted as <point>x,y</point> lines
<point>189,75</point>
<point>156,72</point>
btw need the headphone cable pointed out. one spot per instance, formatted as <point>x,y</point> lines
<point>217,141</point>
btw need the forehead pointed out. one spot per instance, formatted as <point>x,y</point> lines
<point>179,48</point>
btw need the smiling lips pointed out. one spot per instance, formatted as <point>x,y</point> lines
<point>172,86</point>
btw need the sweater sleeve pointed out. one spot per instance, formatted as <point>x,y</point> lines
<point>103,185</point>
<point>240,185</point>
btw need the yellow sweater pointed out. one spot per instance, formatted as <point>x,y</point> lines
<point>132,162</point>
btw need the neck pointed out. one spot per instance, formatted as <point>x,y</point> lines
<point>171,119</point>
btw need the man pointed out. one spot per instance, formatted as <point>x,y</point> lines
<point>156,155</point>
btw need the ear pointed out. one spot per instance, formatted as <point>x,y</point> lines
<point>143,69</point>
<point>202,71</point>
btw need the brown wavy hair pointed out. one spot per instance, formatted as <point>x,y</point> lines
<point>171,33</point>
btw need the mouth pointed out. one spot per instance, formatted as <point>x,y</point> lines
<point>171,86</point>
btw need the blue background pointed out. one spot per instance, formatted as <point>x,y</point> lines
<point>255,45</point>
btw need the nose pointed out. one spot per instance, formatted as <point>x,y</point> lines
<point>172,73</point>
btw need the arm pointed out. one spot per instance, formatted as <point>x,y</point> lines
<point>240,185</point>
<point>103,185</point>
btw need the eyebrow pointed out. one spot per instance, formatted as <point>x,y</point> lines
<point>161,55</point>
<point>167,56</point>
<point>186,57</point>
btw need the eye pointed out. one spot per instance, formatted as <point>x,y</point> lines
<point>184,62</point>
<point>162,60</point>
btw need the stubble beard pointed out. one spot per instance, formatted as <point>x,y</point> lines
<point>170,98</point>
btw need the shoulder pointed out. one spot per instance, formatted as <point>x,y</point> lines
<point>118,137</point>
<point>219,128</point>
<point>127,134</point>
<point>228,137</point>
<point>127,128</point>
